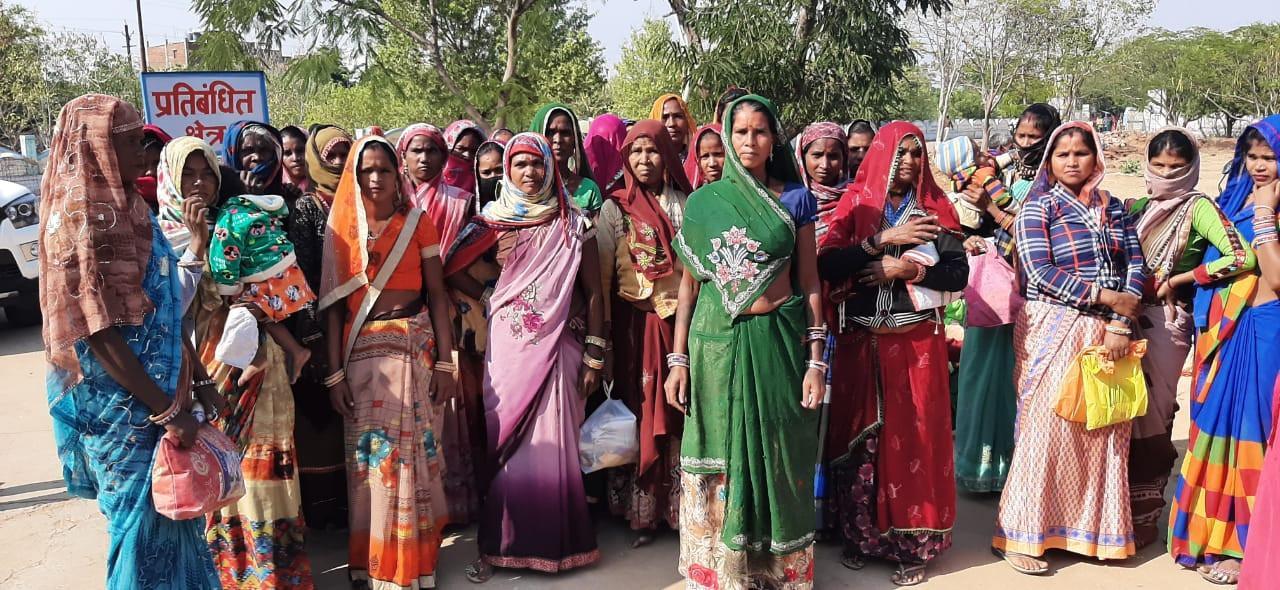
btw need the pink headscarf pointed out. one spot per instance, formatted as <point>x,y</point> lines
<point>828,196</point>
<point>603,147</point>
<point>692,168</point>
<point>447,206</point>
<point>1159,229</point>
<point>458,171</point>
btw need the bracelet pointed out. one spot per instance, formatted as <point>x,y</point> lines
<point>1264,239</point>
<point>445,367</point>
<point>676,359</point>
<point>868,248</point>
<point>335,378</point>
<point>1271,209</point>
<point>920,270</point>
<point>204,383</point>
<point>167,415</point>
<point>592,362</point>
<point>1117,330</point>
<point>819,365</point>
<point>816,333</point>
<point>598,341</point>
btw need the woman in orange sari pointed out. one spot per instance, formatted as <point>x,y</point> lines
<point>390,343</point>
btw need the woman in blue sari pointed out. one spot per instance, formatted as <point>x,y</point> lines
<point>120,372</point>
<point>1237,358</point>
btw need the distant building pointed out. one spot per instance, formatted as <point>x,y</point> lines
<point>177,55</point>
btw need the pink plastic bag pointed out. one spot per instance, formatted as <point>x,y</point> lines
<point>186,483</point>
<point>992,294</point>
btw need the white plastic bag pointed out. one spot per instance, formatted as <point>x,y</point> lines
<point>609,436</point>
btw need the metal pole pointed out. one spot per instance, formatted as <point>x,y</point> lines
<point>142,39</point>
<point>128,43</point>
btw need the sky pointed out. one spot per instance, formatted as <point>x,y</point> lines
<point>611,24</point>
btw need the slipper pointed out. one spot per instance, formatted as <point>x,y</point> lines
<point>1220,577</point>
<point>478,572</point>
<point>1018,568</point>
<point>908,575</point>
<point>853,562</point>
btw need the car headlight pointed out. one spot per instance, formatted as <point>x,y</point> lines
<point>23,211</point>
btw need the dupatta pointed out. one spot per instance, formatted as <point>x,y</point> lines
<point>446,205</point>
<point>827,196</point>
<point>271,171</point>
<point>692,169</point>
<point>321,140</point>
<point>458,171</point>
<point>1165,225</point>
<point>578,161</point>
<point>604,147</point>
<point>173,158</point>
<point>651,234</point>
<point>655,112</point>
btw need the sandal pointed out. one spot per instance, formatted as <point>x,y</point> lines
<point>1022,569</point>
<point>908,575</point>
<point>479,572</point>
<point>853,562</point>
<point>1220,576</point>
<point>642,540</point>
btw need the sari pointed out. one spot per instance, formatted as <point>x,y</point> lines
<point>888,446</point>
<point>1067,487</point>
<point>535,514</point>
<point>448,206</point>
<point>105,441</point>
<point>587,196</point>
<point>644,301</point>
<point>746,511</point>
<point>459,172</point>
<point>1262,567</point>
<point>394,467</point>
<point>1237,358</point>
<point>603,148</point>
<point>692,168</point>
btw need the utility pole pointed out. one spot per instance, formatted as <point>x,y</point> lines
<point>128,43</point>
<point>142,39</point>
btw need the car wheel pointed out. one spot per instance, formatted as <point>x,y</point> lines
<point>24,314</point>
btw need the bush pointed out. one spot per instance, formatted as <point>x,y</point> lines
<point>1131,167</point>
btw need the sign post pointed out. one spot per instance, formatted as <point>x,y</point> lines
<point>203,104</point>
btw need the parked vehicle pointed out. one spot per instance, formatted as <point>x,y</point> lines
<point>19,249</point>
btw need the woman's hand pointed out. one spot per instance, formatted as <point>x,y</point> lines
<point>814,389</point>
<point>1125,304</point>
<point>677,388</point>
<point>194,216</point>
<point>976,196</point>
<point>444,385</point>
<point>975,245</point>
<point>1267,195</point>
<point>589,381</point>
<point>183,426</point>
<point>885,270</point>
<point>213,401</point>
<point>252,183</point>
<point>1117,345</point>
<point>343,402</point>
<point>916,231</point>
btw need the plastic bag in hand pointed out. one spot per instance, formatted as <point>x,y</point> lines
<point>609,436</point>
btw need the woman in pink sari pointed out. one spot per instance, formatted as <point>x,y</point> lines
<point>604,146</point>
<point>462,138</point>
<point>537,372</point>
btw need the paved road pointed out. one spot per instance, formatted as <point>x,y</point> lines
<point>53,542</point>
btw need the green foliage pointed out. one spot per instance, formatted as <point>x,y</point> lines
<point>641,76</point>
<point>917,99</point>
<point>22,95</point>
<point>1132,167</point>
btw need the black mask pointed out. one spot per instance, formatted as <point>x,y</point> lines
<point>487,189</point>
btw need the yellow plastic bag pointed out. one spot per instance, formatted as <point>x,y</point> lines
<point>1099,392</point>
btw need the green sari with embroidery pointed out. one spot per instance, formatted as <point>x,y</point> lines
<point>745,419</point>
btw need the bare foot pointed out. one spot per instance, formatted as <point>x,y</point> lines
<point>1223,573</point>
<point>255,368</point>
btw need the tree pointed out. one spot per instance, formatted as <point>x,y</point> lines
<point>820,59</point>
<point>641,76</point>
<point>22,96</point>
<point>445,49</point>
<point>942,39</point>
<point>994,59</point>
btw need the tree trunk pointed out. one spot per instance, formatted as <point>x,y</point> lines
<point>513,36</point>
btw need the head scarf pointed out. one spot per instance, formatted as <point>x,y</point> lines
<point>270,171</point>
<point>1045,181</point>
<point>320,142</point>
<point>147,184</point>
<point>515,208</point>
<point>828,196</point>
<point>346,244</point>
<point>604,146</point>
<point>95,232</point>
<point>542,119</point>
<point>483,198</point>
<point>417,194</point>
<point>651,231</point>
<point>459,171</point>
<point>1239,181</point>
<point>1164,234</point>
<point>1031,157</point>
<point>862,207</point>
<point>656,111</point>
<point>692,169</point>
<point>303,183</point>
<point>172,160</point>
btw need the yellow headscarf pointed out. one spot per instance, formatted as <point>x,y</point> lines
<point>656,111</point>
<point>169,178</point>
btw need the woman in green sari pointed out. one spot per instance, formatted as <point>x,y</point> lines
<point>746,370</point>
<point>560,126</point>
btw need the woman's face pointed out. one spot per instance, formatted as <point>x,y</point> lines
<point>677,124</point>
<point>199,181</point>
<point>490,165</point>
<point>466,145</point>
<point>528,173</point>
<point>151,160</point>
<point>910,164</point>
<point>1026,134</point>
<point>377,175</point>
<point>295,156</point>
<point>752,139</point>
<point>824,161</point>
<point>859,143</point>
<point>1072,161</point>
<point>1260,161</point>
<point>254,150</point>
<point>129,157</point>
<point>564,142</point>
<point>646,163</point>
<point>711,156</point>
<point>423,159</point>
<point>1166,163</point>
<point>337,157</point>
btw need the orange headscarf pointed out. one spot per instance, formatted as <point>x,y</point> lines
<point>656,113</point>
<point>95,231</point>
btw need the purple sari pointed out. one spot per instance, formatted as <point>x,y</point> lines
<point>536,515</point>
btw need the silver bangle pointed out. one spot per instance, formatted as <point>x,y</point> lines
<point>676,359</point>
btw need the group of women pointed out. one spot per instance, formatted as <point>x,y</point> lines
<point>769,310</point>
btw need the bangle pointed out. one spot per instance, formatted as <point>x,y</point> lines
<point>676,359</point>
<point>1117,330</point>
<point>816,333</point>
<point>204,383</point>
<point>592,362</point>
<point>167,415</point>
<point>869,248</point>
<point>335,378</point>
<point>920,270</point>
<point>1264,239</point>
<point>444,367</point>
<point>819,365</point>
<point>597,341</point>
<point>1271,209</point>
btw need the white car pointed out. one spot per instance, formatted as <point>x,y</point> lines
<point>19,248</point>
